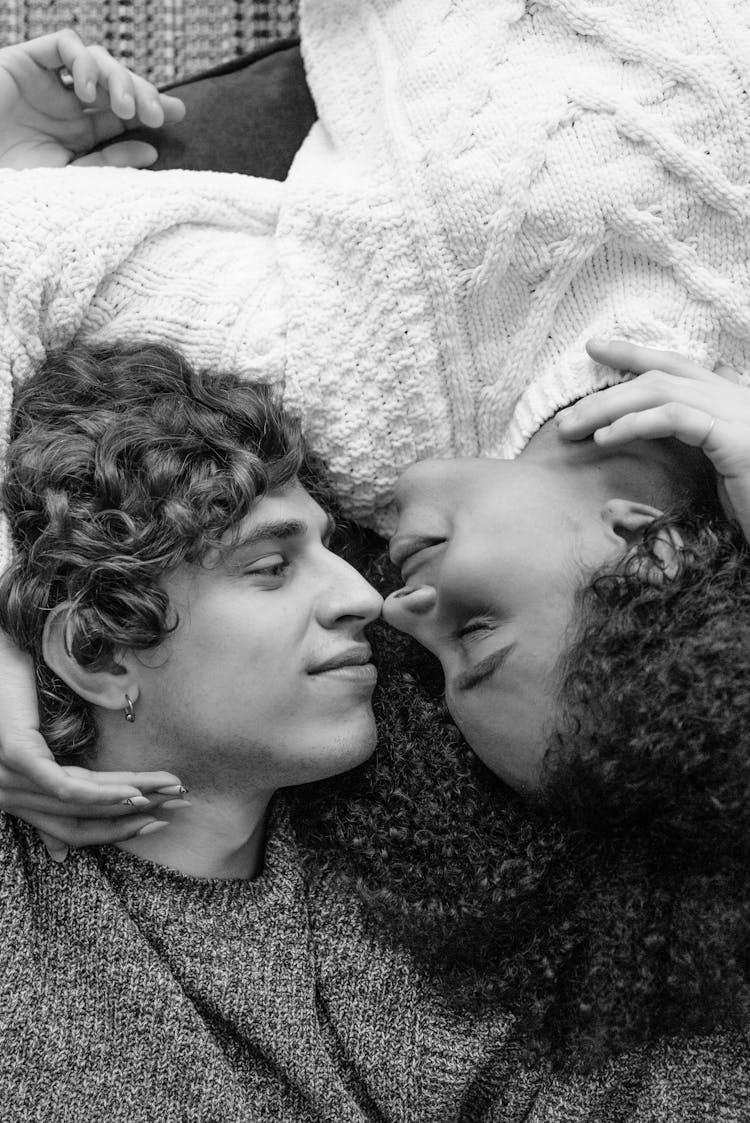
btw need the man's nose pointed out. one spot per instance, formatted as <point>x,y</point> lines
<point>347,595</point>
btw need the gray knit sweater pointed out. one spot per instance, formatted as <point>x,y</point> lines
<point>131,992</point>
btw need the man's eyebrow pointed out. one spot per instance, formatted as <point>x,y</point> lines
<point>482,670</point>
<point>280,529</point>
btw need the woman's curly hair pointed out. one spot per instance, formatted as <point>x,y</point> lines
<point>125,462</point>
<point>615,909</point>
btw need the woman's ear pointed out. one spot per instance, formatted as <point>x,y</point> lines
<point>106,688</point>
<point>629,520</point>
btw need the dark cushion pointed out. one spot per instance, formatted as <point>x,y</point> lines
<point>249,115</point>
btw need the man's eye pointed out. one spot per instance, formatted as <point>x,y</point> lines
<point>268,567</point>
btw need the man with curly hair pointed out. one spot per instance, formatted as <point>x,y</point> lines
<point>174,585</point>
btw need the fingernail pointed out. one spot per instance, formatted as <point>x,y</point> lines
<point>172,789</point>
<point>563,414</point>
<point>598,341</point>
<point>137,801</point>
<point>127,105</point>
<point>89,91</point>
<point>156,825</point>
<point>58,855</point>
<point>170,803</point>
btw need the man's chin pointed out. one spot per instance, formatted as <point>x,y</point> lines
<point>346,750</point>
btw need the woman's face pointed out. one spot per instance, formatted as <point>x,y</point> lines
<point>491,555</point>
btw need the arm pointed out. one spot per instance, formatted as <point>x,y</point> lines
<point>673,397</point>
<point>45,123</point>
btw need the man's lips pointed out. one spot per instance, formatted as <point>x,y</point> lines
<point>352,657</point>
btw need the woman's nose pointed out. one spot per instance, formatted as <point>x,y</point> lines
<point>407,609</point>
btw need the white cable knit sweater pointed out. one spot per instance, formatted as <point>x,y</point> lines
<point>490,183</point>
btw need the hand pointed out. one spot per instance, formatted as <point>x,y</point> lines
<point>69,806</point>
<point>43,124</point>
<point>673,397</point>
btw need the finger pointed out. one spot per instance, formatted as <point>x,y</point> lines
<point>65,48</point>
<point>148,105</point>
<point>653,388</point>
<point>694,427</point>
<point>59,48</point>
<point>84,73</point>
<point>163,783</point>
<point>173,108</point>
<point>144,103</point>
<point>57,850</point>
<point>729,374</point>
<point>23,770</point>
<point>17,801</point>
<point>93,832</point>
<point>124,154</point>
<point>150,108</point>
<point>621,355</point>
<point>118,81</point>
<point>155,110</point>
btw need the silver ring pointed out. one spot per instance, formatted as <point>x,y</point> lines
<point>65,77</point>
<point>709,431</point>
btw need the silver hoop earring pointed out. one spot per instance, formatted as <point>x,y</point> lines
<point>129,709</point>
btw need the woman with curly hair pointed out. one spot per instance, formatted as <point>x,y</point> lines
<point>608,906</point>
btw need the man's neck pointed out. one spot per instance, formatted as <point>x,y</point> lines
<point>220,833</point>
<point>215,837</point>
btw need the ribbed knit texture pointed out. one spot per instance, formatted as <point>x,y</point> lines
<point>130,993</point>
<point>489,184</point>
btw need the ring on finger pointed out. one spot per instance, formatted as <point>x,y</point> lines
<point>65,78</point>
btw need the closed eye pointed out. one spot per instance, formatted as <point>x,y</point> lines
<point>474,628</point>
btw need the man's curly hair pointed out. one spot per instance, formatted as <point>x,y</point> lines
<point>616,908</point>
<point>125,462</point>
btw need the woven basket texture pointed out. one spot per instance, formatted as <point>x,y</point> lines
<point>165,40</point>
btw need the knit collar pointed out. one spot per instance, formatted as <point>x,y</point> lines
<point>147,888</point>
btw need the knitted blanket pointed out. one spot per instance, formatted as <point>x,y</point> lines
<point>490,183</point>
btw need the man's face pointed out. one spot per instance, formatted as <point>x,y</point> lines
<point>492,553</point>
<point>266,681</point>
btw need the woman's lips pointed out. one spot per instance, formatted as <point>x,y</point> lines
<point>404,551</point>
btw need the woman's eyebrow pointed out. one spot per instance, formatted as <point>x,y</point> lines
<point>467,680</point>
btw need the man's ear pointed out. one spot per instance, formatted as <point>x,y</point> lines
<point>629,520</point>
<point>106,688</point>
